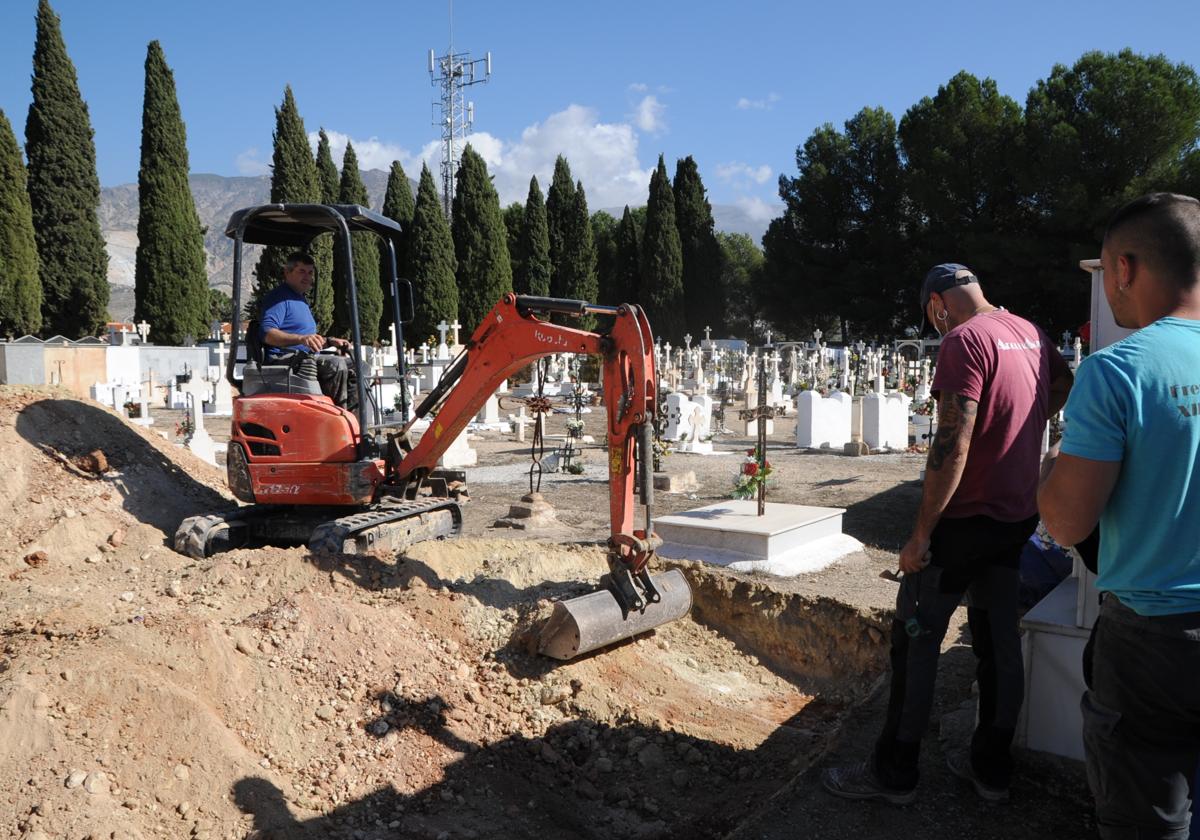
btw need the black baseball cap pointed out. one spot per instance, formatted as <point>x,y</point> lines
<point>943,277</point>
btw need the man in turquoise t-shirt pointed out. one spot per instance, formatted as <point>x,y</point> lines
<point>1131,460</point>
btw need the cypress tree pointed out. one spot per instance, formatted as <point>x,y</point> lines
<point>64,191</point>
<point>170,284</point>
<point>604,240</point>
<point>293,181</point>
<point>352,190</point>
<point>514,222</point>
<point>536,267</point>
<point>484,273</point>
<point>327,171</point>
<point>322,247</point>
<point>581,257</point>
<point>560,205</point>
<point>20,287</point>
<point>627,270</point>
<point>397,206</point>
<point>704,299</point>
<point>430,263</point>
<point>662,261</point>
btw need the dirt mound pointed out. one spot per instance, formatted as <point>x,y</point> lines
<point>271,693</point>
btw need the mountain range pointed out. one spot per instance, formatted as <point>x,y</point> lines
<point>218,196</point>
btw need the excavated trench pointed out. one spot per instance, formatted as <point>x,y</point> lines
<point>682,732</point>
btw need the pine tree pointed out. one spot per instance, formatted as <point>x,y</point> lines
<point>560,206</point>
<point>703,297</point>
<point>293,181</point>
<point>536,267</point>
<point>484,273</point>
<point>430,263</point>
<point>64,191</point>
<point>397,206</point>
<point>627,271</point>
<point>20,287</point>
<point>322,246</point>
<point>170,284</point>
<point>662,261</point>
<point>366,263</point>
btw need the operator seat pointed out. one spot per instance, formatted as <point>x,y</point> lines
<point>260,376</point>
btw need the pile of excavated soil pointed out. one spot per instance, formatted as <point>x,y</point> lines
<point>270,693</point>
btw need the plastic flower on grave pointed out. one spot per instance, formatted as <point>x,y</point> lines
<point>750,468</point>
<point>754,473</point>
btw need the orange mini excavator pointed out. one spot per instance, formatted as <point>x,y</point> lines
<point>312,472</point>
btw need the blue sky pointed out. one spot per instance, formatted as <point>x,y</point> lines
<point>611,85</point>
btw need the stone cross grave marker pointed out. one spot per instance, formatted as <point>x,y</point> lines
<point>143,330</point>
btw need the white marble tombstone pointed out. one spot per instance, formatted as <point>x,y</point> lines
<point>823,422</point>
<point>679,417</point>
<point>885,420</point>
<point>698,439</point>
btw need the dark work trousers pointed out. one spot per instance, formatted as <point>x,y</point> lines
<point>335,375</point>
<point>976,556</point>
<point>1141,721</point>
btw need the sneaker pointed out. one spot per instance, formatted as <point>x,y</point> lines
<point>859,782</point>
<point>960,765</point>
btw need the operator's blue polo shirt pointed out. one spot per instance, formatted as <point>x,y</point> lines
<point>285,309</point>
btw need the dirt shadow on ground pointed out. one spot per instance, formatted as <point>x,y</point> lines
<point>154,489</point>
<point>581,780</point>
<point>885,519</point>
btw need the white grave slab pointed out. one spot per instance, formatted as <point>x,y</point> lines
<point>698,438</point>
<point>787,540</point>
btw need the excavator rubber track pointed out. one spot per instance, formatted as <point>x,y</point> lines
<point>393,525</point>
<point>390,525</point>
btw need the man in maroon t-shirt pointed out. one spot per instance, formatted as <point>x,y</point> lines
<point>998,380</point>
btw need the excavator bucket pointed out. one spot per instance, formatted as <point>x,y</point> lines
<point>596,620</point>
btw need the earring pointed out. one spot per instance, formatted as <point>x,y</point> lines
<point>941,316</point>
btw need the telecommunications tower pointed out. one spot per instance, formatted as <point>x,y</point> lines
<point>450,73</point>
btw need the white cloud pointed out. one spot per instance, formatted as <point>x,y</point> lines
<point>604,156</point>
<point>249,163</point>
<point>638,87</point>
<point>649,115</point>
<point>742,176</point>
<point>759,210</point>
<point>372,152</point>
<point>747,104</point>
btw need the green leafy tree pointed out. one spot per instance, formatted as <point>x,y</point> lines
<point>741,265</point>
<point>293,181</point>
<point>560,207</point>
<point>397,206</point>
<point>1106,129</point>
<point>627,268</point>
<point>604,238</point>
<point>480,241</point>
<point>170,284</point>
<point>704,297</point>
<point>964,148</point>
<point>64,191</point>
<point>352,190</point>
<point>536,267</point>
<point>329,183</point>
<point>220,305</point>
<point>662,261</point>
<point>830,260</point>
<point>20,287</point>
<point>514,222</point>
<point>430,263</point>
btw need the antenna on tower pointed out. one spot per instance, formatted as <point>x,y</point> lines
<point>450,73</point>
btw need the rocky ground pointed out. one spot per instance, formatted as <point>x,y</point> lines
<point>269,693</point>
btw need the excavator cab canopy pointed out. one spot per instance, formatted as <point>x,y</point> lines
<point>299,224</point>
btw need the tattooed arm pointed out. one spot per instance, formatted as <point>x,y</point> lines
<point>943,471</point>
